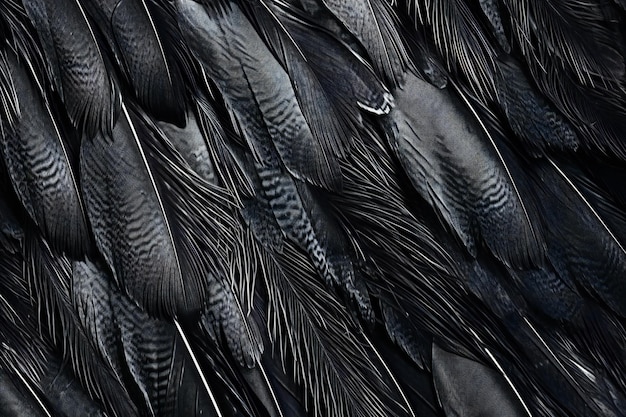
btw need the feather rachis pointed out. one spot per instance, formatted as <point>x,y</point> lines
<point>89,92</point>
<point>182,273</point>
<point>47,185</point>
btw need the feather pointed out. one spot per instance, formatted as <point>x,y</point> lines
<point>454,169</point>
<point>312,207</point>
<point>131,29</point>
<point>265,107</point>
<point>227,155</point>
<point>468,388</point>
<point>596,52</point>
<point>77,68</point>
<point>530,116</point>
<point>50,278</point>
<point>598,266</point>
<point>38,162</point>
<point>306,223</point>
<point>231,393</point>
<point>492,13</point>
<point>329,92</point>
<point>589,95</point>
<point>225,321</point>
<point>334,365</point>
<point>461,42</point>
<point>152,354</point>
<point>373,23</point>
<point>149,201</point>
<point>283,397</point>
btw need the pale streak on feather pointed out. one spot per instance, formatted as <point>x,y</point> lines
<point>48,178</point>
<point>272,393</point>
<point>409,409</point>
<point>503,373</point>
<point>158,39</point>
<point>587,204</point>
<point>453,30</point>
<point>554,357</point>
<point>496,149</point>
<point>32,391</point>
<point>158,198</point>
<point>196,364</point>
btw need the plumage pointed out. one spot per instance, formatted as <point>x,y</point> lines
<point>137,181</point>
<point>258,90</point>
<point>131,32</point>
<point>40,165</point>
<point>76,65</point>
<point>454,167</point>
<point>274,208</point>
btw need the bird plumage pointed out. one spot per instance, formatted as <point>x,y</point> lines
<point>312,208</point>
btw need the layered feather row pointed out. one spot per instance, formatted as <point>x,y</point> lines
<point>312,208</point>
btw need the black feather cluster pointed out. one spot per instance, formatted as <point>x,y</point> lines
<point>312,208</point>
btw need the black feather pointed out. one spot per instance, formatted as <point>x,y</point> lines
<point>39,163</point>
<point>77,68</point>
<point>130,174</point>
<point>305,208</point>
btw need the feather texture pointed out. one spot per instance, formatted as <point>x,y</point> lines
<point>131,31</point>
<point>265,107</point>
<point>178,285</point>
<point>452,166</point>
<point>305,208</point>
<point>77,68</point>
<point>38,161</point>
<point>372,23</point>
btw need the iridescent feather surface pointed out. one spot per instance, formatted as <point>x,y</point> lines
<point>284,208</point>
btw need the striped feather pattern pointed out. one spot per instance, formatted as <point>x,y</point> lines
<point>311,208</point>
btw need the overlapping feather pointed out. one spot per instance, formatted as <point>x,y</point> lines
<point>141,186</point>
<point>454,167</point>
<point>77,67</point>
<point>144,54</point>
<point>287,222</point>
<point>40,166</point>
<point>265,106</point>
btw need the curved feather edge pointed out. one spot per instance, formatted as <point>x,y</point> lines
<point>462,175</point>
<point>607,285</point>
<point>265,106</point>
<point>554,27</point>
<point>38,161</point>
<point>49,276</point>
<point>330,92</point>
<point>113,168</point>
<point>89,92</point>
<point>469,388</point>
<point>373,23</point>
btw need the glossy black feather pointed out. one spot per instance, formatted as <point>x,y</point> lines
<point>265,107</point>
<point>151,350</point>
<point>77,68</point>
<point>459,172</point>
<point>147,202</point>
<point>372,23</point>
<point>41,168</point>
<point>468,388</point>
<point>130,28</point>
<point>310,208</point>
